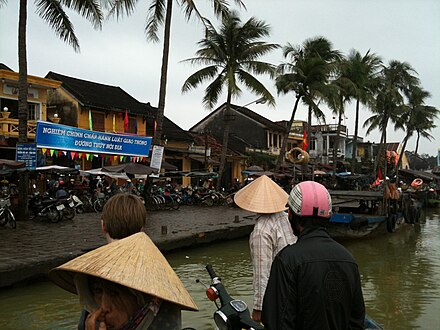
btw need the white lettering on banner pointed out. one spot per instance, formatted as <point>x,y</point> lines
<point>141,142</point>
<point>55,131</point>
<point>82,143</point>
<point>73,134</point>
<point>104,138</point>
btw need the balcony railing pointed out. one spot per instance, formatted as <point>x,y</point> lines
<point>9,128</point>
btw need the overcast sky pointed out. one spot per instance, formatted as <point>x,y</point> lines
<point>403,30</point>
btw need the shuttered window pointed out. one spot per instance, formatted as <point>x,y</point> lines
<point>98,121</point>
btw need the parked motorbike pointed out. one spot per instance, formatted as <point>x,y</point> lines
<point>231,314</point>
<point>78,204</point>
<point>44,207</point>
<point>67,208</point>
<point>6,216</point>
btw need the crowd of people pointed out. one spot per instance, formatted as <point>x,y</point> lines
<point>302,278</point>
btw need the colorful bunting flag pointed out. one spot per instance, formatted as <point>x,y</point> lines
<point>90,120</point>
<point>126,121</point>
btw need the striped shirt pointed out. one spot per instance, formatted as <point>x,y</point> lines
<point>271,234</point>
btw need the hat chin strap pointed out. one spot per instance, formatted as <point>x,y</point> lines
<point>144,317</point>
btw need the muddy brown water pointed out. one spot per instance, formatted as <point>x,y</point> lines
<point>400,278</point>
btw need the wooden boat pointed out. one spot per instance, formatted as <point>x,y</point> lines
<point>360,214</point>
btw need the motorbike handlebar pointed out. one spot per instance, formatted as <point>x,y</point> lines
<point>211,271</point>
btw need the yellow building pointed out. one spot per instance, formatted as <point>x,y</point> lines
<point>38,88</point>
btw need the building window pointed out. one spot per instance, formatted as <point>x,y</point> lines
<point>98,121</point>
<point>270,140</point>
<point>34,111</point>
<point>312,144</point>
<point>132,125</point>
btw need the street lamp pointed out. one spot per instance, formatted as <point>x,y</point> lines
<point>261,100</point>
<point>5,109</point>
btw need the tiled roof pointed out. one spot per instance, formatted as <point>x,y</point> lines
<point>99,96</point>
<point>5,67</point>
<point>246,112</point>
<point>255,116</point>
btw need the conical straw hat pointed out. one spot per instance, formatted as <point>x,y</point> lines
<point>134,262</point>
<point>262,196</point>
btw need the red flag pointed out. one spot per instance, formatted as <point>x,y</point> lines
<point>126,121</point>
<point>305,142</point>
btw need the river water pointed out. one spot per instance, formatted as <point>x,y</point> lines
<point>400,278</point>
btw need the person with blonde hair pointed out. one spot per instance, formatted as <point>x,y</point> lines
<point>272,231</point>
<point>127,284</point>
<point>123,215</point>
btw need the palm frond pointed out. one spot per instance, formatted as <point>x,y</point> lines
<point>155,18</point>
<point>255,86</point>
<point>198,77</point>
<point>89,9</point>
<point>213,92</point>
<point>119,8</point>
<point>52,12</point>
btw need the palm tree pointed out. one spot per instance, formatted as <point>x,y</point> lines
<point>363,72</point>
<point>159,13</point>
<point>343,92</point>
<point>306,74</point>
<point>397,80</point>
<point>413,116</point>
<point>231,55</point>
<point>53,12</point>
<point>424,121</point>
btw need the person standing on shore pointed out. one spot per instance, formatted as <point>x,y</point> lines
<point>315,283</point>
<point>272,231</point>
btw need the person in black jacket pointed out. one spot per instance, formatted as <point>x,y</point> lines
<point>315,283</point>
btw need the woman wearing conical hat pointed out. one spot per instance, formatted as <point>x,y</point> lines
<point>272,231</point>
<point>127,284</point>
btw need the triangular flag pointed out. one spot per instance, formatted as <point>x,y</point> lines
<point>60,153</point>
<point>84,155</point>
<point>87,156</point>
<point>121,158</point>
<point>43,150</point>
<point>51,152</point>
<point>73,154</point>
<point>80,154</point>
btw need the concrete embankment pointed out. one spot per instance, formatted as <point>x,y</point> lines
<point>33,248</point>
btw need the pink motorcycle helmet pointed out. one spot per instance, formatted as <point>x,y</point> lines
<point>307,196</point>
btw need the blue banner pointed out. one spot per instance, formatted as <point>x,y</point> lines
<point>27,152</point>
<point>55,136</point>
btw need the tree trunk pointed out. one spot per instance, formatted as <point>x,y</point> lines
<point>163,75</point>
<point>417,143</point>
<point>286,136</point>
<point>381,144</point>
<point>227,120</point>
<point>23,212</point>
<point>356,132</point>
<point>309,128</point>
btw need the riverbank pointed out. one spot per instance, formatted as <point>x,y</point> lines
<point>33,248</point>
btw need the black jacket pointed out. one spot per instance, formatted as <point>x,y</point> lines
<point>314,284</point>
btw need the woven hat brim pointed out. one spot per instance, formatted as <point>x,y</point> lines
<point>134,262</point>
<point>262,196</point>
